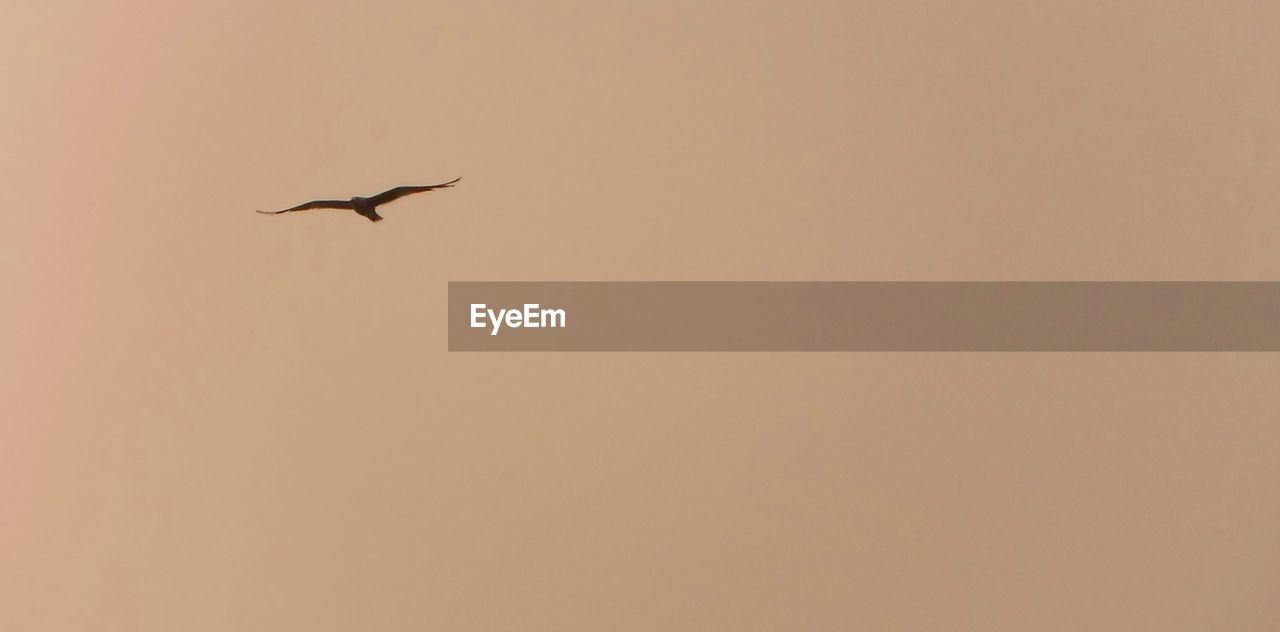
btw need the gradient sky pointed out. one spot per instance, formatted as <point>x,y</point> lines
<point>216,420</point>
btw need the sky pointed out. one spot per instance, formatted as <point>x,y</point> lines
<point>212,419</point>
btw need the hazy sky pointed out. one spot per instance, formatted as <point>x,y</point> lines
<point>216,420</point>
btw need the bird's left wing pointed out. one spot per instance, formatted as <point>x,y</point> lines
<point>342,204</point>
<point>399,192</point>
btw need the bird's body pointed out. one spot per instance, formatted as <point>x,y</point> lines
<point>366,206</point>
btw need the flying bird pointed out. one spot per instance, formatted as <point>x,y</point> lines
<point>367,206</point>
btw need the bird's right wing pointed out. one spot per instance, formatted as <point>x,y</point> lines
<point>399,192</point>
<point>341,204</point>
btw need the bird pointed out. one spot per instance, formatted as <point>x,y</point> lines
<point>367,206</point>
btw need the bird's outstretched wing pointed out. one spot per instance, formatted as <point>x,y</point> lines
<point>342,204</point>
<point>399,192</point>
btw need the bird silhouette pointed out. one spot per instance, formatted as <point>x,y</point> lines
<point>367,206</point>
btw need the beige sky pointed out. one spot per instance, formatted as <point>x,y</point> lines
<point>215,420</point>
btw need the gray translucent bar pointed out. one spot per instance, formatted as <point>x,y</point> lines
<point>866,316</point>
